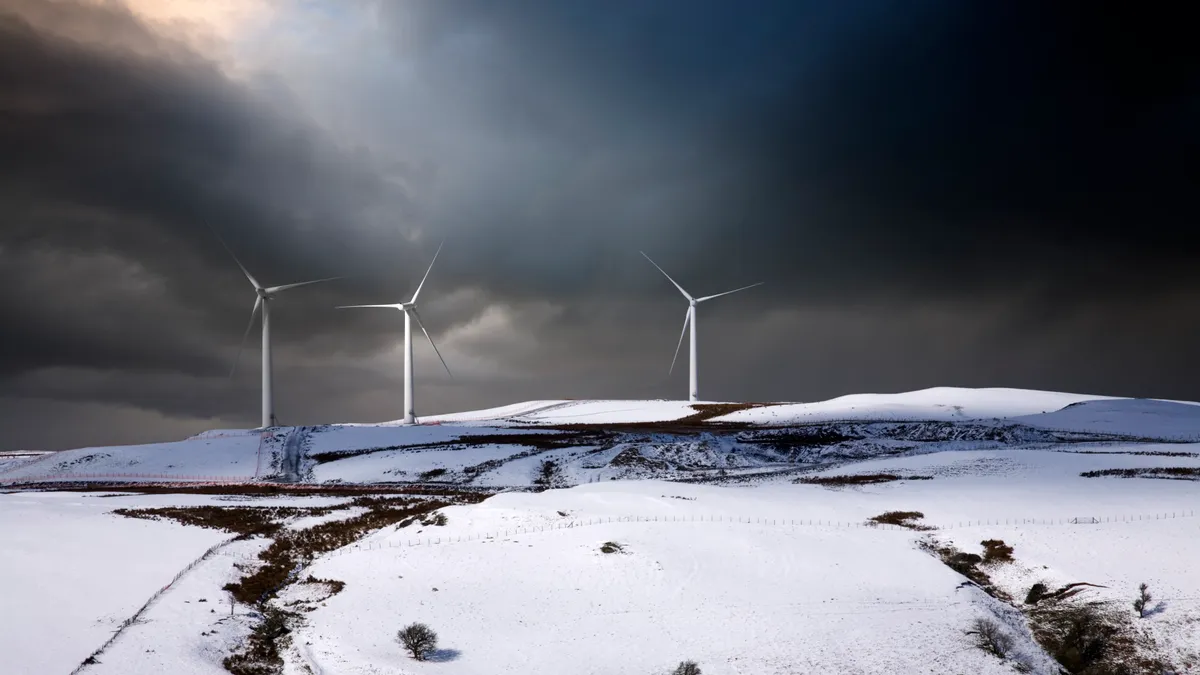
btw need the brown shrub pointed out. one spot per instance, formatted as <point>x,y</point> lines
<point>901,519</point>
<point>996,551</point>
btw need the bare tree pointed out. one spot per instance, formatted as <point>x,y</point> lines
<point>418,639</point>
<point>1142,603</point>
<point>686,668</point>
<point>991,638</point>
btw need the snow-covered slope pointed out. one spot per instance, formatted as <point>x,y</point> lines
<point>938,403</point>
<point>71,572</point>
<point>722,576</point>
<point>736,598</point>
<point>227,456</point>
<point>1130,417</point>
<point>612,439</point>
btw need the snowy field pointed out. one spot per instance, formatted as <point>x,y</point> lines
<point>743,596</point>
<point>716,574</point>
<point>73,571</point>
<point>754,579</point>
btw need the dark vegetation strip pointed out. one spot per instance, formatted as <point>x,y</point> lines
<point>265,489</point>
<point>1149,453</point>
<point>292,550</point>
<point>856,479</point>
<point>1167,472</point>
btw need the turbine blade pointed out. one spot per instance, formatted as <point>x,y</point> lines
<point>710,297</point>
<point>253,312</point>
<point>668,276</point>
<point>422,284</point>
<point>686,317</point>
<point>276,289</point>
<point>435,349</point>
<point>354,306</point>
<point>235,259</point>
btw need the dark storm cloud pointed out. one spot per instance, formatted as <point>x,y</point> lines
<point>120,148</point>
<point>936,193</point>
<point>834,148</point>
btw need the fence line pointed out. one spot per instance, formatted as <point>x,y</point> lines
<point>786,522</point>
<point>150,603</point>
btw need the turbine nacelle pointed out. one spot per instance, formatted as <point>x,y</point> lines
<point>689,320</point>
<point>263,294</point>
<point>410,313</point>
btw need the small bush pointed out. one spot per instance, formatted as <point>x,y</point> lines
<point>1036,593</point>
<point>437,518</point>
<point>996,551</point>
<point>1142,602</point>
<point>549,474</point>
<point>432,473</point>
<point>1082,639</point>
<point>418,639</point>
<point>991,638</point>
<point>901,519</point>
<point>686,668</point>
<point>611,547</point>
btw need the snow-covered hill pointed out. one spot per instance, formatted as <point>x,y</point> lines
<point>559,443</point>
<point>756,574</point>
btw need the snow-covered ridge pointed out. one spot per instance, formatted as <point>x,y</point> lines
<point>591,440</point>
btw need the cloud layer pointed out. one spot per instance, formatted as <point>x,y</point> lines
<point>943,195</point>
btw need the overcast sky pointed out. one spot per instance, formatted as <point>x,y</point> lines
<point>935,193</point>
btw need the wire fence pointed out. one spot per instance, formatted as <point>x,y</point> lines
<point>773,522</point>
<point>92,659</point>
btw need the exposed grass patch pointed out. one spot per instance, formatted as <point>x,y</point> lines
<point>260,654</point>
<point>293,549</point>
<point>1149,453</point>
<point>906,519</point>
<point>856,479</point>
<point>437,519</point>
<point>1090,638</point>
<point>996,551</point>
<point>611,547</point>
<point>335,586</point>
<point>1167,472</point>
<point>966,564</point>
<point>244,520</point>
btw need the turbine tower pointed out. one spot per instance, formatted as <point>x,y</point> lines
<point>262,301</point>
<point>410,312</point>
<point>689,319</point>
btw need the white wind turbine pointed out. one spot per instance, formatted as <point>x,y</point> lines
<point>263,302</point>
<point>689,319</point>
<point>410,312</point>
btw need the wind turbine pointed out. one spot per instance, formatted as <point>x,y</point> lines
<point>689,319</point>
<point>263,302</point>
<point>410,312</point>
